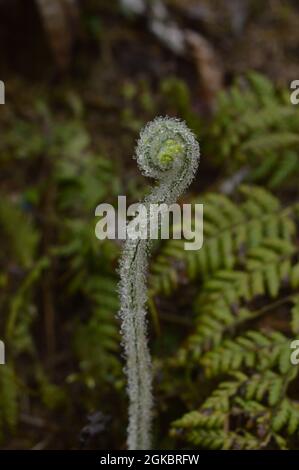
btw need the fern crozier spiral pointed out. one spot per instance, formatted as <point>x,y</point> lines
<point>167,151</point>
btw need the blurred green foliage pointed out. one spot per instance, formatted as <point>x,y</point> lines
<point>221,319</point>
<point>258,128</point>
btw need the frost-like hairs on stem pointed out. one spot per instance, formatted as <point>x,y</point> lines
<point>167,151</point>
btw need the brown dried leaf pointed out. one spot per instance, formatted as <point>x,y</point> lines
<point>207,65</point>
<point>60,18</point>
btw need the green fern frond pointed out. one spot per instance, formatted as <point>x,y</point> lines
<point>261,280</point>
<point>255,125</point>
<point>231,230</point>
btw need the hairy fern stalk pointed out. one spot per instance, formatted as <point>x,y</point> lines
<point>167,151</point>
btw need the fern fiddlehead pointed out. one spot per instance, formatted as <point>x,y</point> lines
<point>167,151</point>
